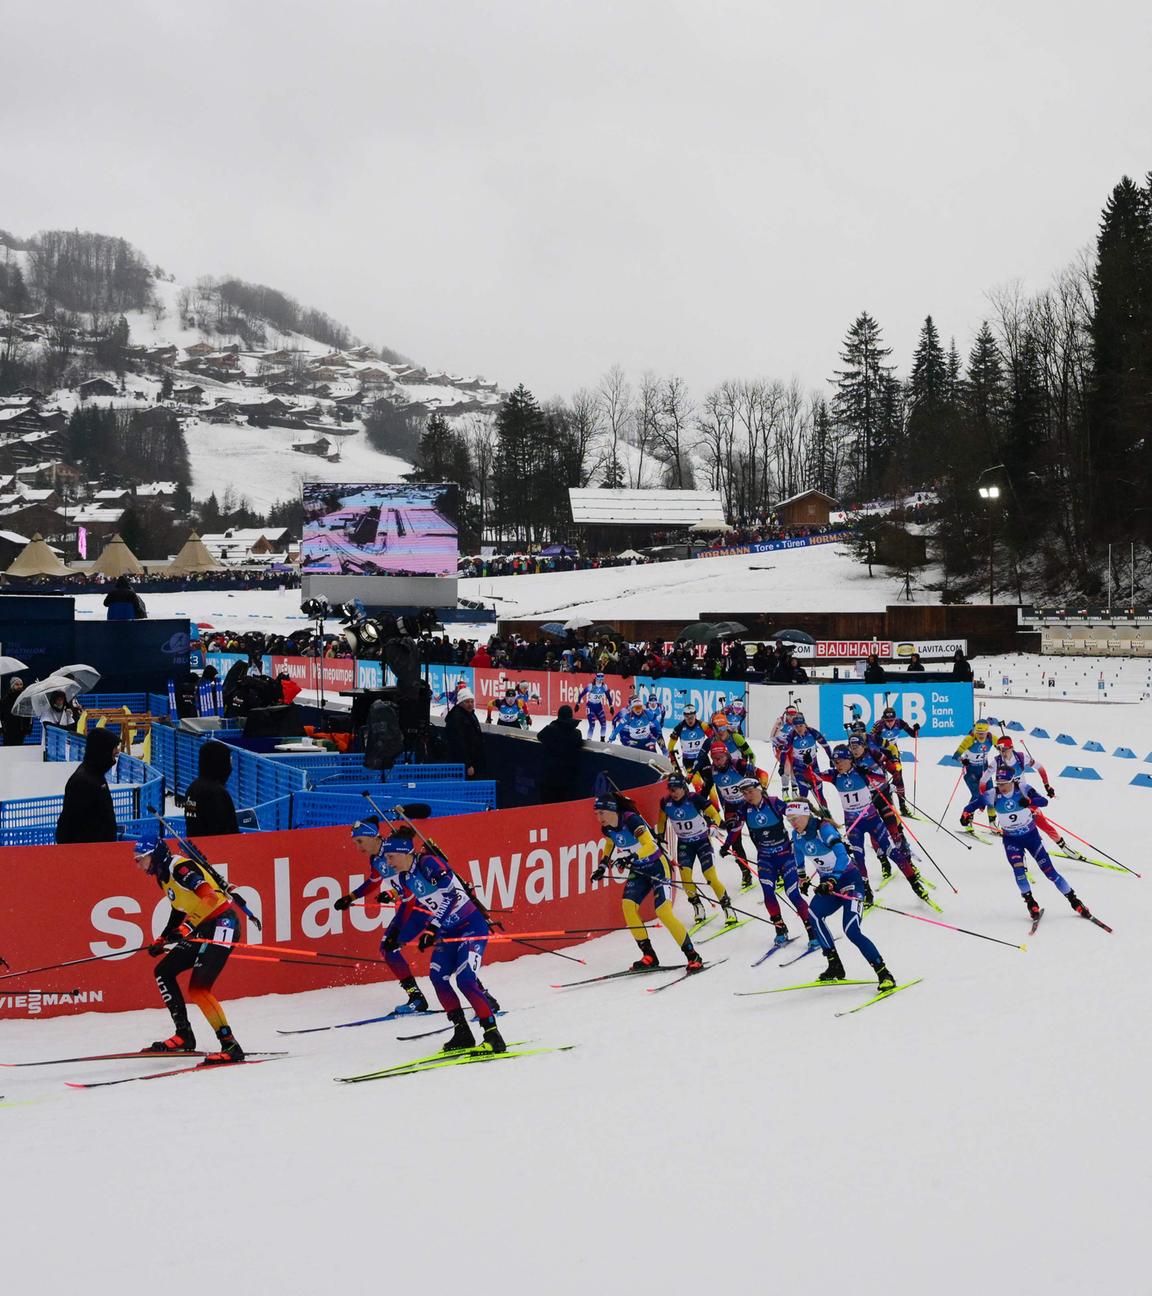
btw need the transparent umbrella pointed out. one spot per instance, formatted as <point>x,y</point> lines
<point>34,699</point>
<point>86,676</point>
<point>10,664</point>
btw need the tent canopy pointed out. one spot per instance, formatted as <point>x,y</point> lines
<point>117,559</point>
<point>193,557</point>
<point>36,559</point>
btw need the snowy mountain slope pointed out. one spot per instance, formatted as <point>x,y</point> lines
<point>984,1131</point>
<point>802,580</point>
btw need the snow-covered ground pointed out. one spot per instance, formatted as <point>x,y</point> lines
<point>798,580</point>
<point>985,1131</point>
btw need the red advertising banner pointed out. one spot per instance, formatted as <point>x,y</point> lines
<point>534,864</point>
<point>547,690</point>
<point>339,673</point>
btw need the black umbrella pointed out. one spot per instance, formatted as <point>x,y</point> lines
<point>728,629</point>
<point>792,636</point>
<point>600,631</point>
<point>698,632</point>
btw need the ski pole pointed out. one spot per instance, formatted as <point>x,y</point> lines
<point>904,827</point>
<point>1087,843</point>
<point>916,763</point>
<point>940,823</point>
<point>52,967</point>
<point>935,922</point>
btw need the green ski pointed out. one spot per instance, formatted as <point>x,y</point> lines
<point>884,994</point>
<point>728,927</point>
<point>438,1061</point>
<point>806,985</point>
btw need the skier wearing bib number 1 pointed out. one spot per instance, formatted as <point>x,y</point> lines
<point>201,929</point>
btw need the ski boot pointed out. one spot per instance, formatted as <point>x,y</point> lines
<point>1033,907</point>
<point>492,1037</point>
<point>699,913</point>
<point>1061,844</point>
<point>916,882</point>
<point>1078,905</point>
<point>869,898</point>
<point>782,937</point>
<point>991,817</point>
<point>229,1050</point>
<point>695,962</point>
<point>966,819</point>
<point>730,918</point>
<point>884,979</point>
<point>462,1037</point>
<point>904,811</point>
<point>647,957</point>
<point>182,1042</point>
<point>835,969</point>
<point>885,869</point>
<point>416,1000</point>
<point>745,878</point>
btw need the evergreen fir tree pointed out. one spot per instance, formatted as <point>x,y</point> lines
<point>857,403</point>
<point>1121,404</point>
<point>929,403</point>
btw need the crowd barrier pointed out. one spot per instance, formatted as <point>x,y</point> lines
<point>138,793</point>
<point>533,863</point>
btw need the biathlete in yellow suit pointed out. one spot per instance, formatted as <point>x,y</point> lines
<point>689,813</point>
<point>200,908</point>
<point>650,871</point>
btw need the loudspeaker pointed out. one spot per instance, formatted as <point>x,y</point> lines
<point>274,722</point>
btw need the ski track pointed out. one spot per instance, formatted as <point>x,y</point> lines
<point>987,1132</point>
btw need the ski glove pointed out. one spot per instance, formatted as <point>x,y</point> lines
<point>598,872</point>
<point>345,902</point>
<point>428,937</point>
<point>826,886</point>
<point>916,728</point>
<point>1049,791</point>
<point>157,948</point>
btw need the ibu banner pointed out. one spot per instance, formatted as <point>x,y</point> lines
<point>533,863</point>
<point>941,710</point>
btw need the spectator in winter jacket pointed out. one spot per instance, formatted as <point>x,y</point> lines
<point>87,814</point>
<point>915,665</point>
<point>123,603</point>
<point>562,741</point>
<point>15,728</point>
<point>463,735</point>
<point>208,808</point>
<point>961,666</point>
<point>874,673</point>
<point>482,658</point>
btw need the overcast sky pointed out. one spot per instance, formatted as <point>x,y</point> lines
<point>535,190</point>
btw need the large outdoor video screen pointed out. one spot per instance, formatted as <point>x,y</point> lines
<point>367,529</point>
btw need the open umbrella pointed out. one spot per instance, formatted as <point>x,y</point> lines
<point>698,632</point>
<point>553,628</point>
<point>792,636</point>
<point>86,676</point>
<point>631,553</point>
<point>577,622</point>
<point>10,664</point>
<point>724,629</point>
<point>599,630</point>
<point>34,699</point>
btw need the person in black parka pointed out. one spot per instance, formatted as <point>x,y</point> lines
<point>209,810</point>
<point>463,736</point>
<point>87,814</point>
<point>562,742</point>
<point>15,728</point>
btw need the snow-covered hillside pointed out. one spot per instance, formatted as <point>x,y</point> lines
<point>985,1131</point>
<point>800,580</point>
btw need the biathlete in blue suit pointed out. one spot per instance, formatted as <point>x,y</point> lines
<point>599,699</point>
<point>1014,808</point>
<point>816,843</point>
<point>454,926</point>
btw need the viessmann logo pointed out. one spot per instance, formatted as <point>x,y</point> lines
<point>33,1002</point>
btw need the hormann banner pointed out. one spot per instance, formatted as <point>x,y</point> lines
<point>885,649</point>
<point>533,864</point>
<point>771,546</point>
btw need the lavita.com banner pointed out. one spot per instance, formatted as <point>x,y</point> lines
<point>532,864</point>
